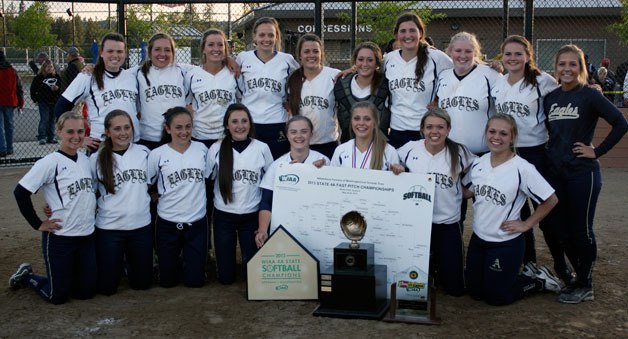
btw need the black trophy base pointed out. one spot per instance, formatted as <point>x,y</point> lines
<point>359,295</point>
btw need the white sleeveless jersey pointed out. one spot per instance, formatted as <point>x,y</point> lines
<point>410,96</point>
<point>347,155</point>
<point>180,181</point>
<point>318,103</point>
<point>468,102</point>
<point>525,104</point>
<point>118,93</point>
<point>448,188</point>
<point>211,95</point>
<point>166,90</point>
<point>69,190</point>
<point>500,193</point>
<point>268,181</point>
<point>128,208</point>
<point>249,167</point>
<point>263,85</point>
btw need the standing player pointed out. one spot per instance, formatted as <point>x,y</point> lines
<point>369,148</point>
<point>311,93</point>
<point>262,84</point>
<point>447,161</point>
<point>520,94</point>
<point>500,181</point>
<point>299,131</point>
<point>239,164</point>
<point>465,92</point>
<point>67,237</point>
<point>108,88</point>
<point>412,72</point>
<point>573,110</point>
<point>123,217</point>
<point>180,167</point>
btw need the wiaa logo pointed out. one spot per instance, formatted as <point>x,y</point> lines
<point>292,179</point>
<point>417,194</point>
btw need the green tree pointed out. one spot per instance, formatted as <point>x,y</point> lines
<point>139,24</point>
<point>381,16</point>
<point>621,28</point>
<point>32,27</point>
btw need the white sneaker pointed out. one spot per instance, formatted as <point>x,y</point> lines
<point>17,279</point>
<point>549,280</point>
<point>530,270</point>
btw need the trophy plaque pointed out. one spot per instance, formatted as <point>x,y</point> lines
<point>413,299</point>
<point>354,287</point>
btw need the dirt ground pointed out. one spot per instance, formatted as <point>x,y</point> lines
<point>223,311</point>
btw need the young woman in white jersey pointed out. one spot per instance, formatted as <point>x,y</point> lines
<point>262,84</point>
<point>501,181</point>
<point>109,87</point>
<point>520,94</point>
<point>311,93</point>
<point>179,168</point>
<point>123,230</point>
<point>67,237</point>
<point>447,160</point>
<point>366,83</point>
<point>412,72</point>
<point>299,132</point>
<point>465,92</point>
<point>239,163</point>
<point>369,148</point>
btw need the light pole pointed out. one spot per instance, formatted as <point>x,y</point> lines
<point>71,14</point>
<point>4,24</point>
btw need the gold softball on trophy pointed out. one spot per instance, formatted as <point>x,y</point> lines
<point>353,226</point>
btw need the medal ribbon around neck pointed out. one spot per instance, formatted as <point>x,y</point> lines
<point>366,157</point>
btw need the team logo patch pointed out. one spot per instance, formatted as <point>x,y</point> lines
<point>292,179</point>
<point>417,194</point>
<point>413,274</point>
<point>496,266</point>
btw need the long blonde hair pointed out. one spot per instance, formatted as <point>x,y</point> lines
<point>379,139</point>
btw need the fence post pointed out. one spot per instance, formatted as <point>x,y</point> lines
<point>505,18</point>
<point>318,18</point>
<point>528,21</point>
<point>354,23</point>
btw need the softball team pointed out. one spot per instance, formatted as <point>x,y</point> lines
<point>311,93</point>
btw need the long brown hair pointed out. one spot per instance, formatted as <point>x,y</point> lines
<point>379,139</point>
<point>421,54</point>
<point>206,34</point>
<point>296,79</point>
<point>169,115</point>
<point>106,160</point>
<point>452,147</point>
<point>377,52</point>
<point>99,68</point>
<point>225,157</point>
<point>530,70</point>
<point>272,21</point>
<point>151,43</point>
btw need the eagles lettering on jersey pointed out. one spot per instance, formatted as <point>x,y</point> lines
<point>563,113</point>
<point>409,84</point>
<point>134,176</point>
<point>118,94</point>
<point>166,91</point>
<point>468,104</point>
<point>269,85</point>
<point>513,108</point>
<point>246,177</point>
<point>443,181</point>
<point>490,193</point>
<point>83,184</point>
<point>314,102</point>
<point>186,174</point>
<point>218,96</point>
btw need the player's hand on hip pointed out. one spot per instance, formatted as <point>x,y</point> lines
<point>583,151</point>
<point>50,225</point>
<point>514,226</point>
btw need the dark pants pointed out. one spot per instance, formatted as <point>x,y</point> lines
<point>182,250</point>
<point>573,218</point>
<point>113,246</point>
<point>46,129</point>
<point>209,195</point>
<point>326,149</point>
<point>492,272</point>
<point>70,266</point>
<point>274,136</point>
<point>151,145</point>
<point>399,138</point>
<point>447,257</point>
<point>228,228</point>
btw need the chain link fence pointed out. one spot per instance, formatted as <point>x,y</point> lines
<point>53,27</point>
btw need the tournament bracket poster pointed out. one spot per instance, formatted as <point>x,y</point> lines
<point>309,202</point>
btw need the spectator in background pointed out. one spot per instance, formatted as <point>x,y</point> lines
<point>626,90</point>
<point>45,92</point>
<point>11,96</point>
<point>620,73</point>
<point>606,62</point>
<point>75,65</point>
<point>607,83</point>
<point>41,57</point>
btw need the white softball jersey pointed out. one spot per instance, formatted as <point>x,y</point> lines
<point>69,190</point>
<point>263,85</point>
<point>468,102</point>
<point>128,208</point>
<point>249,168</point>
<point>166,90</point>
<point>348,155</point>
<point>268,181</point>
<point>410,96</point>
<point>448,192</point>
<point>318,103</point>
<point>500,193</point>
<point>119,92</point>
<point>211,95</point>
<point>180,181</point>
<point>525,104</point>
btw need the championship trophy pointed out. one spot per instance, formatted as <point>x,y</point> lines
<point>354,287</point>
